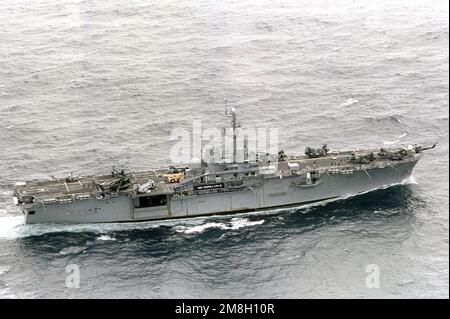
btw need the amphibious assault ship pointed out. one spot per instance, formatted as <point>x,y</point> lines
<point>227,187</point>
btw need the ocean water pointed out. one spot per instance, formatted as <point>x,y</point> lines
<point>85,85</point>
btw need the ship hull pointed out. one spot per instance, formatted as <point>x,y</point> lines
<point>262,193</point>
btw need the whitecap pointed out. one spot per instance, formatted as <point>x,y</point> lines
<point>4,270</point>
<point>237,223</point>
<point>10,226</point>
<point>390,142</point>
<point>234,224</point>
<point>342,34</point>
<point>198,229</point>
<point>72,250</point>
<point>349,102</point>
<point>106,238</point>
<point>410,180</point>
<point>395,141</point>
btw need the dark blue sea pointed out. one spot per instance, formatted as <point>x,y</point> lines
<point>85,85</point>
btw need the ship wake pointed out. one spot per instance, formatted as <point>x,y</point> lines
<point>234,224</point>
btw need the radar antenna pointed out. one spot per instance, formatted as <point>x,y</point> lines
<point>231,112</point>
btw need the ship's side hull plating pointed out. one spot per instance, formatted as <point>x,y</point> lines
<point>259,193</point>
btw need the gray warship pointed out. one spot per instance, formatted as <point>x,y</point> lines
<point>201,189</point>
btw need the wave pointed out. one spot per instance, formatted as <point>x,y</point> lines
<point>394,118</point>
<point>411,180</point>
<point>4,270</point>
<point>349,102</point>
<point>390,142</point>
<point>9,108</point>
<point>407,181</point>
<point>10,225</point>
<point>13,227</point>
<point>235,223</point>
<point>74,250</point>
<point>395,141</point>
<point>106,238</point>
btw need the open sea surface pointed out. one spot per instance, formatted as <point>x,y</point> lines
<point>86,84</point>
